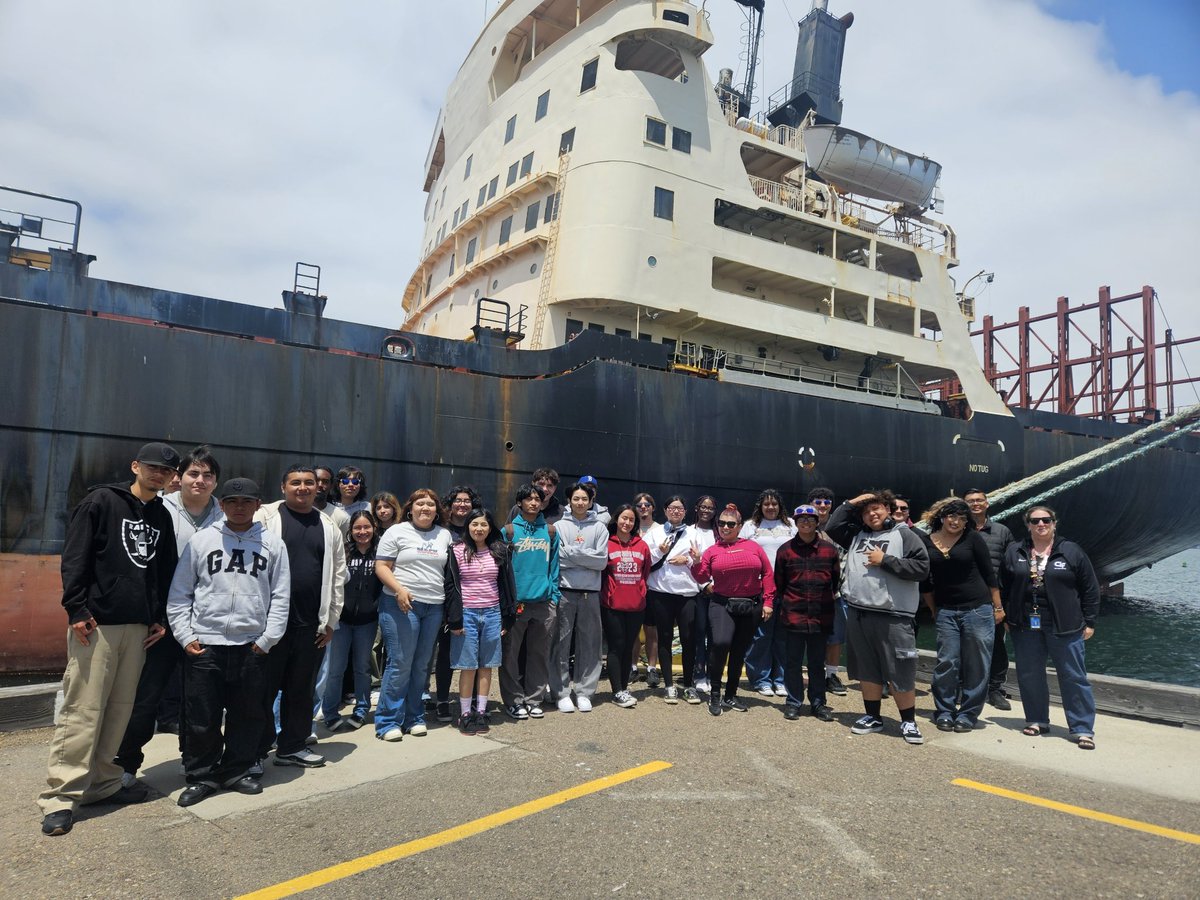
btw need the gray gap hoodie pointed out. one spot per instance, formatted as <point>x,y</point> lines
<point>583,552</point>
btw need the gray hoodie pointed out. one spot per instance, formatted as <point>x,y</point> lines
<point>583,552</point>
<point>231,589</point>
<point>891,586</point>
<point>182,519</point>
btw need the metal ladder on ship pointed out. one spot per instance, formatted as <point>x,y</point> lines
<point>547,282</point>
<point>1183,422</point>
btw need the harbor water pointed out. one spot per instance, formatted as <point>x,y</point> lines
<point>1152,633</point>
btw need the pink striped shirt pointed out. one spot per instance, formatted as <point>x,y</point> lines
<point>480,584</point>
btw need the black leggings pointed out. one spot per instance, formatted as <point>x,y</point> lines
<point>729,638</point>
<point>620,632</point>
<point>672,610</point>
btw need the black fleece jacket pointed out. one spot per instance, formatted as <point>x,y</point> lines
<point>118,558</point>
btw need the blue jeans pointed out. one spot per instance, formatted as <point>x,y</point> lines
<point>1066,652</point>
<point>764,661</point>
<point>839,623</point>
<point>409,638</point>
<point>964,655</point>
<point>351,643</point>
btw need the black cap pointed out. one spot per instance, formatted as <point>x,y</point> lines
<point>156,453</point>
<point>240,487</point>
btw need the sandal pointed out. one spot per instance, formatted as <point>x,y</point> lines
<point>1086,742</point>
<point>1035,730</point>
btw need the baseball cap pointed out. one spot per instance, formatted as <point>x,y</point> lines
<point>805,510</point>
<point>588,479</point>
<point>240,487</point>
<point>156,453</point>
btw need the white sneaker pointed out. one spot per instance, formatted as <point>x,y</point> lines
<point>780,690</point>
<point>312,739</point>
<point>672,694</point>
<point>766,691</point>
<point>374,699</point>
<point>565,705</point>
<point>703,684</point>
<point>625,700</point>
<point>418,730</point>
<point>584,704</point>
<point>392,735</point>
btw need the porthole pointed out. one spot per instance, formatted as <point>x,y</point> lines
<point>533,269</point>
<point>652,261</point>
<point>508,445</point>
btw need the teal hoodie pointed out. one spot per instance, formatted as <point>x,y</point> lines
<point>534,560</point>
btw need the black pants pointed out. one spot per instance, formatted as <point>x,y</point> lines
<point>163,660</point>
<point>292,668</point>
<point>999,672</point>
<point>229,681</point>
<point>729,638</point>
<point>441,667</point>
<point>620,633</point>
<point>797,645</point>
<point>671,610</point>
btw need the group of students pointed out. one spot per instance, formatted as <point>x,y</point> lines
<point>268,606</point>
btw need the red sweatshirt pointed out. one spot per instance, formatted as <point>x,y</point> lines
<point>624,587</point>
<point>740,569</point>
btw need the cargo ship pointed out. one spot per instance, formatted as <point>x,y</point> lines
<point>625,271</point>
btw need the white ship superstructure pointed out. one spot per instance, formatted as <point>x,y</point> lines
<point>587,172</point>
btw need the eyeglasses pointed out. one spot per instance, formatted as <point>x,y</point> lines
<point>644,505</point>
<point>351,481</point>
<point>726,524</point>
<point>901,509</point>
<point>706,508</point>
<point>675,507</point>
<point>1040,520</point>
<point>462,500</point>
<point>976,501</point>
<point>822,503</point>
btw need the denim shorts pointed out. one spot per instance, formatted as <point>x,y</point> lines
<point>478,647</point>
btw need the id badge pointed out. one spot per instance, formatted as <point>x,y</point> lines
<point>1035,621</point>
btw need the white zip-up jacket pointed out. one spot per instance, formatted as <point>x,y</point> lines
<point>184,529</point>
<point>231,588</point>
<point>333,564</point>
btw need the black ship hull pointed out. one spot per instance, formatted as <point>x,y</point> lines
<point>96,367</point>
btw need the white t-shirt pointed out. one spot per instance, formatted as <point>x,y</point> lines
<point>770,534</point>
<point>419,558</point>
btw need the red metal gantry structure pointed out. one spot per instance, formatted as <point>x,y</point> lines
<point>1133,383</point>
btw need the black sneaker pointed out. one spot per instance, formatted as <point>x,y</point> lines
<point>653,678</point>
<point>997,699</point>
<point>822,712</point>
<point>735,704</point>
<point>483,723</point>
<point>834,685</point>
<point>791,712</point>
<point>714,705</point>
<point>57,823</point>
<point>194,793</point>
<point>443,711</point>
<point>517,711</point>
<point>468,724</point>
<point>944,723</point>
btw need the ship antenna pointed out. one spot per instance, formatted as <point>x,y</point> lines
<point>755,15</point>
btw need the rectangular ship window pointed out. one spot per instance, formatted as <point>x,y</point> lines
<point>674,15</point>
<point>574,326</point>
<point>664,204</point>
<point>531,215</point>
<point>505,230</point>
<point>454,224</point>
<point>512,175</point>
<point>622,332</point>
<point>681,140</point>
<point>462,216</point>
<point>467,169</point>
<point>588,81</point>
<point>567,142</point>
<point>492,185</point>
<point>543,107</point>
<point>669,343</point>
<point>451,272</point>
<point>595,326</point>
<point>656,132</point>
<point>551,208</point>
<point>510,129</point>
<point>471,247</point>
<point>527,164</point>
<point>482,198</point>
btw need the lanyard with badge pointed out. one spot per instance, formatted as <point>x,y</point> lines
<point>1037,573</point>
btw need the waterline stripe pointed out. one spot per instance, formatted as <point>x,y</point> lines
<point>1084,813</point>
<point>450,835</point>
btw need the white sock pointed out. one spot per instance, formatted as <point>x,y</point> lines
<point>830,670</point>
<point>481,704</point>
<point>464,704</point>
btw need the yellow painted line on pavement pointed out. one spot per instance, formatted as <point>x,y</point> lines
<point>450,835</point>
<point>1083,812</point>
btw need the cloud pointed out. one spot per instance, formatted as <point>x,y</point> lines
<point>214,145</point>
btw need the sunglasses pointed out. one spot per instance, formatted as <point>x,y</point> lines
<point>645,505</point>
<point>1040,520</point>
<point>351,481</point>
<point>726,524</point>
<point>901,509</point>
<point>822,503</point>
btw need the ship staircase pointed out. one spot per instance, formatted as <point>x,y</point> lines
<point>547,283</point>
<point>1016,498</point>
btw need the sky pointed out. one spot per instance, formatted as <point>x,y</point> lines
<point>213,146</point>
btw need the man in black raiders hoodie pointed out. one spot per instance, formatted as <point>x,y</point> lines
<point>117,563</point>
